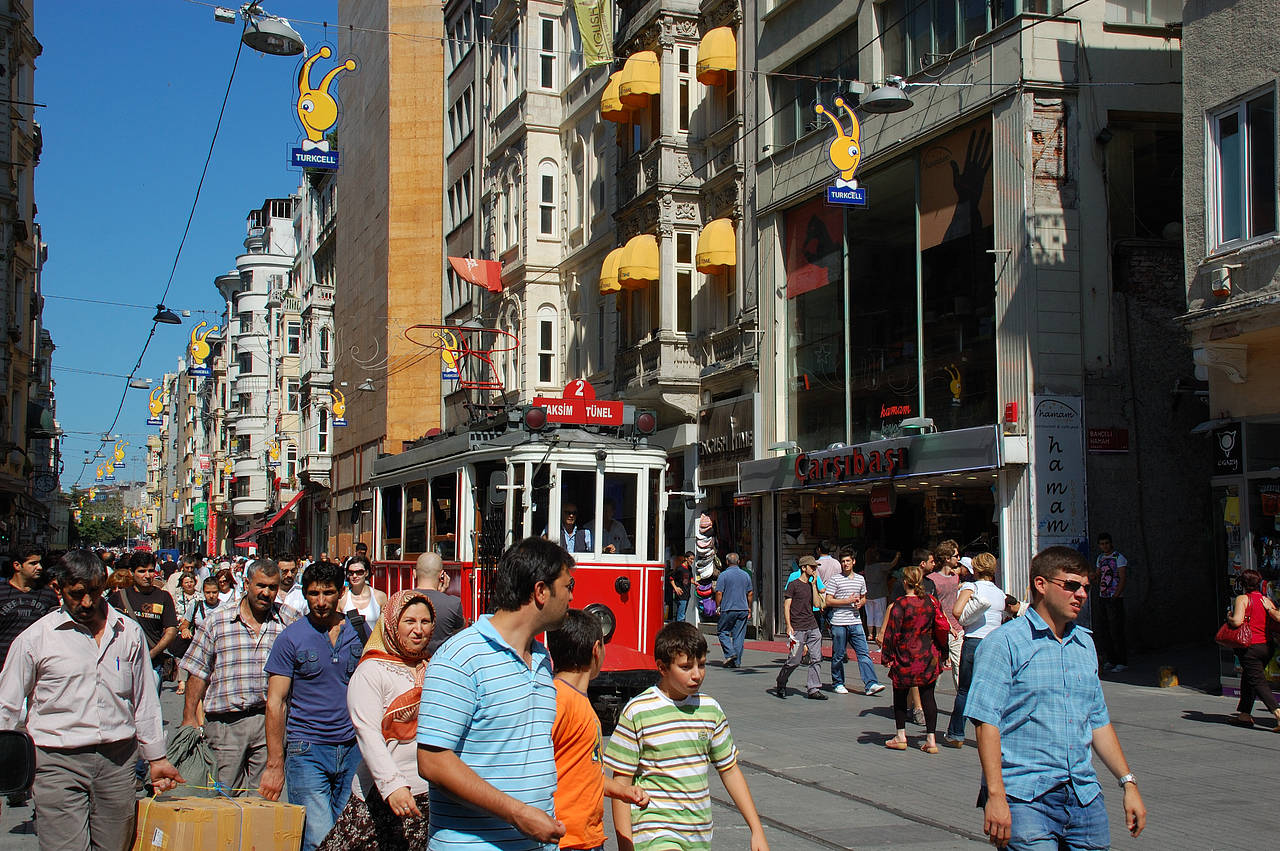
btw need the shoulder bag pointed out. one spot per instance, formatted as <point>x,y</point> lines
<point>941,627</point>
<point>975,609</point>
<point>1235,637</point>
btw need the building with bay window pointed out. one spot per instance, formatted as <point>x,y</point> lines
<point>984,350</point>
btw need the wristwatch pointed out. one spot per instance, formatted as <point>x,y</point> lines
<point>1128,778</point>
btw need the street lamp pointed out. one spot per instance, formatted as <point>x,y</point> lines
<point>165,316</point>
<point>263,31</point>
<point>140,384</point>
<point>889,98</point>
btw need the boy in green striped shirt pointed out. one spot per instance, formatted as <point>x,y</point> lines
<point>665,739</point>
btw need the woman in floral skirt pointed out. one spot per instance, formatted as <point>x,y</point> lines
<point>909,652</point>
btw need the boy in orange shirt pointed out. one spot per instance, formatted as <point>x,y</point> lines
<point>577,651</point>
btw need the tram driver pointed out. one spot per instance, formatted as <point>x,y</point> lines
<point>574,536</point>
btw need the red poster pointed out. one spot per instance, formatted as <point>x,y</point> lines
<point>814,254</point>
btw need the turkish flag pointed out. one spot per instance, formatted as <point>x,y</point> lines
<point>482,273</point>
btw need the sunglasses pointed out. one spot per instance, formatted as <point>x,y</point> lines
<point>1071,586</point>
<point>356,572</point>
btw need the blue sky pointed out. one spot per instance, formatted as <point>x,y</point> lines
<point>132,96</point>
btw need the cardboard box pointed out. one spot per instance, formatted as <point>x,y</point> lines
<point>218,824</point>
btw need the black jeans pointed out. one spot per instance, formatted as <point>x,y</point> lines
<point>1108,624</point>
<point>927,703</point>
<point>1253,678</point>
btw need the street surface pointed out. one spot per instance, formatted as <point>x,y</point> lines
<point>822,778</point>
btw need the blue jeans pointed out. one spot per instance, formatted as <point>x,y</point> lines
<point>732,628</point>
<point>682,605</point>
<point>1057,821</point>
<point>844,636</point>
<point>318,777</point>
<point>956,728</point>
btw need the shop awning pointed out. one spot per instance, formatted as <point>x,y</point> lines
<point>611,107</point>
<point>609,272</point>
<point>640,262</point>
<point>641,79</point>
<point>717,56</point>
<point>482,273</point>
<point>249,539</point>
<point>717,247</point>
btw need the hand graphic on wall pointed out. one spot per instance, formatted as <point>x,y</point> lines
<point>969,183</point>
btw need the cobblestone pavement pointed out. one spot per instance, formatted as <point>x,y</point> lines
<point>822,778</point>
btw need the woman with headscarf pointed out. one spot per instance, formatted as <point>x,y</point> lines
<point>388,806</point>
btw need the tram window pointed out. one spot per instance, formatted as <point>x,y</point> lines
<point>618,525</point>
<point>577,528</point>
<point>443,517</point>
<point>415,524</point>
<point>516,498</point>
<point>540,497</point>
<point>392,501</point>
<point>655,486</point>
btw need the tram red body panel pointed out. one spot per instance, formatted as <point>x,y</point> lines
<point>637,610</point>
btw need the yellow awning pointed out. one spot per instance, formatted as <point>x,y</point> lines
<point>717,56</point>
<point>641,79</point>
<point>717,246</point>
<point>609,272</point>
<point>640,262</point>
<point>611,108</point>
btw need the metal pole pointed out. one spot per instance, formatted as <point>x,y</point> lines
<point>844,330</point>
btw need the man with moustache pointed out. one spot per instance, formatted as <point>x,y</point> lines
<point>308,670</point>
<point>225,666</point>
<point>85,654</point>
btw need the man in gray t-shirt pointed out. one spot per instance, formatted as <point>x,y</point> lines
<point>734,595</point>
<point>880,563</point>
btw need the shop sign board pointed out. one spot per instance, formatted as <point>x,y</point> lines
<point>855,464</point>
<point>1103,441</point>
<point>200,515</point>
<point>211,538</point>
<point>1228,454</point>
<point>726,436</point>
<point>1061,518</point>
<point>884,501</point>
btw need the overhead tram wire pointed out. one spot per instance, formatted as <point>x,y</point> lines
<point>226,95</point>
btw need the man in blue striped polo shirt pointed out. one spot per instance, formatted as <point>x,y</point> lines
<point>488,704</point>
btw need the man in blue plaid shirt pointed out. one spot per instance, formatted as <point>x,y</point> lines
<point>1040,715</point>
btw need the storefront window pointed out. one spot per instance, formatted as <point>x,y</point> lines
<point>959,341</point>
<point>888,326</point>
<point>1264,527</point>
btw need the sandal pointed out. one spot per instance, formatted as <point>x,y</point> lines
<point>1241,720</point>
<point>928,748</point>
<point>896,745</point>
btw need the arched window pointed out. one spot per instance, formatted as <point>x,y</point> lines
<point>504,223</point>
<point>546,344</point>
<point>547,198</point>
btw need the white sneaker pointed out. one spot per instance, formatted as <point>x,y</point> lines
<point>839,689</point>
<point>873,690</point>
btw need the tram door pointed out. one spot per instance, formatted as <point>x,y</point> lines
<point>489,524</point>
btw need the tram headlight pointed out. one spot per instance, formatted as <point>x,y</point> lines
<point>608,622</point>
<point>535,418</point>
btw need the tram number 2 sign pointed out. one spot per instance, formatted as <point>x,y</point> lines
<point>578,406</point>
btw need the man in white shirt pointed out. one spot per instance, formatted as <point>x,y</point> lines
<point>290,588</point>
<point>85,654</point>
<point>613,535</point>
<point>846,592</point>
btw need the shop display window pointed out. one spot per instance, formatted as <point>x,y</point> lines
<point>1264,526</point>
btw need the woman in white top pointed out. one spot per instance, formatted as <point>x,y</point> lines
<point>388,804</point>
<point>991,600</point>
<point>360,595</point>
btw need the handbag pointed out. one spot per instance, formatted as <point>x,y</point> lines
<point>1235,637</point>
<point>975,609</point>
<point>941,627</point>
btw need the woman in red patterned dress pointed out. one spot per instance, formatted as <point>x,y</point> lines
<point>908,651</point>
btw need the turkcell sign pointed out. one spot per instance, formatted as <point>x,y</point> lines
<point>339,422</point>
<point>581,411</point>
<point>202,370</point>
<point>847,195</point>
<point>324,160</point>
<point>154,421</point>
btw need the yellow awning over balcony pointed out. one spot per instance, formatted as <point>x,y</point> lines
<point>717,56</point>
<point>717,247</point>
<point>611,108</point>
<point>609,272</point>
<point>641,79</point>
<point>640,262</point>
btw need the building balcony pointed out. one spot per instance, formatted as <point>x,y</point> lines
<point>728,348</point>
<point>665,361</point>
<point>318,295</point>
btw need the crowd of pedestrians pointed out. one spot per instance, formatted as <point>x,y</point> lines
<point>397,725</point>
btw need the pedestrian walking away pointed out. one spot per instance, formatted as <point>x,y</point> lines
<point>308,670</point>
<point>911,654</point>
<point>226,671</point>
<point>1255,608</point>
<point>430,577</point>
<point>1041,717</point>
<point>488,694</point>
<point>388,808</point>
<point>846,593</point>
<point>980,606</point>
<point>800,602</point>
<point>85,654</point>
<point>1112,571</point>
<point>734,598</point>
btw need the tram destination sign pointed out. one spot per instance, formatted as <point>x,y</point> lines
<point>581,411</point>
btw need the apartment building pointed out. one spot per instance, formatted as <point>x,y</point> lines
<point>1232,280</point>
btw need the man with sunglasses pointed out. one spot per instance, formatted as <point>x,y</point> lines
<point>1040,714</point>
<point>574,537</point>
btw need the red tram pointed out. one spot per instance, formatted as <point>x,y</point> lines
<point>470,495</point>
